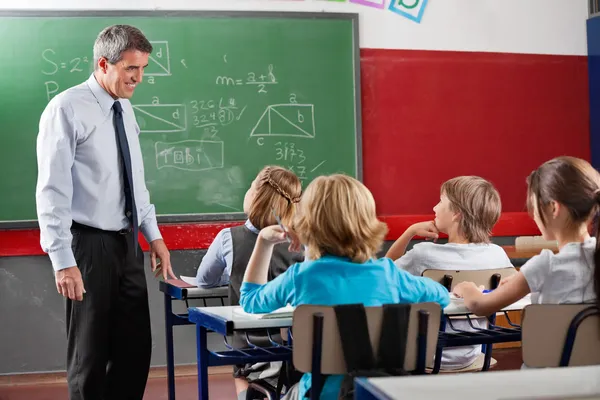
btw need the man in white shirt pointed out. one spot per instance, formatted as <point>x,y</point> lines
<point>91,201</point>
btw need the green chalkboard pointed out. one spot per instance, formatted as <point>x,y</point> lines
<point>224,94</point>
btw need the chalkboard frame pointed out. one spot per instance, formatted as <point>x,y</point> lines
<point>180,218</point>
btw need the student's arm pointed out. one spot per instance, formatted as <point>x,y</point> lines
<point>426,229</point>
<point>486,304</point>
<point>211,272</point>
<point>529,279</point>
<point>263,298</point>
<point>256,295</point>
<point>416,289</point>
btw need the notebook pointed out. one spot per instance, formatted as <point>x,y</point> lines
<point>283,312</point>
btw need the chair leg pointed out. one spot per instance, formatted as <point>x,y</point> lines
<point>256,388</point>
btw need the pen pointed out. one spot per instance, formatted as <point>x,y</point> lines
<point>487,291</point>
<point>281,225</point>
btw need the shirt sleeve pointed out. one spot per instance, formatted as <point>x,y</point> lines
<point>279,292</point>
<point>536,270</point>
<point>147,214</point>
<point>417,289</point>
<point>410,261</point>
<point>214,270</point>
<point>56,143</point>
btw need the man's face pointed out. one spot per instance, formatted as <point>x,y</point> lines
<point>121,78</point>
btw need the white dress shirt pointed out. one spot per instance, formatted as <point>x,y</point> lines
<point>80,174</point>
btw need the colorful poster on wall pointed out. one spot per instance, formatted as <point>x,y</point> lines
<point>370,3</point>
<point>411,9</point>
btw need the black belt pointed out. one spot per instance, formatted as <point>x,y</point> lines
<point>82,227</point>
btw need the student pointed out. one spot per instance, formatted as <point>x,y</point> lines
<point>469,208</point>
<point>275,189</point>
<point>337,224</point>
<point>563,195</point>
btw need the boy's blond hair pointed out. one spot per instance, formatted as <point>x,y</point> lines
<point>478,202</point>
<point>337,217</point>
<point>277,188</point>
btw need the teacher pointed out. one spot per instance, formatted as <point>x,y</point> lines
<point>91,201</point>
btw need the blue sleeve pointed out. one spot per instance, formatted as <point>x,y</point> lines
<point>214,270</point>
<point>279,292</point>
<point>417,289</point>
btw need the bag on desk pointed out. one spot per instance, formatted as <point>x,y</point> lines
<point>356,345</point>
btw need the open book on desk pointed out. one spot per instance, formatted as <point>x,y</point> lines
<point>185,282</point>
<point>283,312</point>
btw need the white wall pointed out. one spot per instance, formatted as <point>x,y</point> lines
<point>514,26</point>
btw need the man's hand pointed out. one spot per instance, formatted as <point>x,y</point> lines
<point>69,283</point>
<point>161,259</point>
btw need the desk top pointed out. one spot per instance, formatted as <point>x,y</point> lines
<point>183,293</point>
<point>457,307</point>
<point>517,384</point>
<point>226,319</point>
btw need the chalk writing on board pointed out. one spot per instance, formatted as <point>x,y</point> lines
<point>53,65</point>
<point>208,114</point>
<point>287,153</point>
<point>190,155</point>
<point>318,165</point>
<point>159,62</point>
<point>252,78</point>
<point>290,120</point>
<point>154,118</point>
<point>77,64</point>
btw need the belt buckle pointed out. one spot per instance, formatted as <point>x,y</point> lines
<point>125,231</point>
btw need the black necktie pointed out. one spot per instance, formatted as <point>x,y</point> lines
<point>123,145</point>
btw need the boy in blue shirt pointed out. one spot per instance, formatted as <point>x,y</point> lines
<point>337,223</point>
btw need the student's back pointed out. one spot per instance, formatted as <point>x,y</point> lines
<point>563,196</point>
<point>563,278</point>
<point>338,225</point>
<point>469,208</point>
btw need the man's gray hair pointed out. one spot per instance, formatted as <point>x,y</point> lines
<point>114,40</point>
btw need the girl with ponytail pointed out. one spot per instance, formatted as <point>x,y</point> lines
<point>563,197</point>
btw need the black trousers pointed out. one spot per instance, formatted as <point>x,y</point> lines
<point>109,339</point>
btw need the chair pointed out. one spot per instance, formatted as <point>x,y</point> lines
<point>560,335</point>
<point>318,347</point>
<point>489,279</point>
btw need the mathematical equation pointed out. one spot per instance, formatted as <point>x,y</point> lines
<point>260,80</point>
<point>52,66</point>
<point>208,114</point>
<point>190,155</point>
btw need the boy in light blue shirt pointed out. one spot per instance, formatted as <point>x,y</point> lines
<point>337,223</point>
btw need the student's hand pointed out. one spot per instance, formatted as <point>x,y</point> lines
<point>274,234</point>
<point>466,288</point>
<point>160,259</point>
<point>69,283</point>
<point>425,229</point>
<point>506,280</point>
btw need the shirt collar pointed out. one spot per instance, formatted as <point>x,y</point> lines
<point>251,227</point>
<point>104,99</point>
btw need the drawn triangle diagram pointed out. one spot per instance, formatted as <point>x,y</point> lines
<point>159,63</point>
<point>290,120</point>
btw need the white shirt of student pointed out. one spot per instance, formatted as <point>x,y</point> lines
<point>562,278</point>
<point>455,257</point>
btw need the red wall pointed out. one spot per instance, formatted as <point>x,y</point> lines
<point>431,115</point>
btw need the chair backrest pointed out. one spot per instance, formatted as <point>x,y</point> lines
<point>545,329</point>
<point>529,243</point>
<point>489,278</point>
<point>332,356</point>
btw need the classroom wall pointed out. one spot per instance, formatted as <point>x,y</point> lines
<point>478,87</point>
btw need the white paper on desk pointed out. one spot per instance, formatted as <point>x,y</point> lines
<point>190,280</point>
<point>283,312</point>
